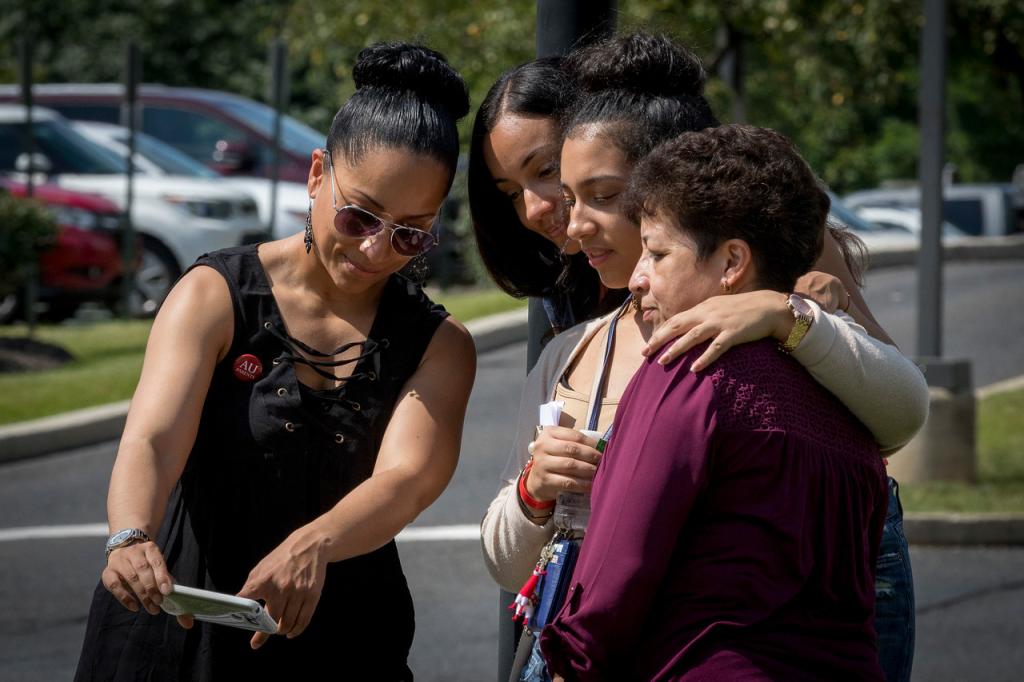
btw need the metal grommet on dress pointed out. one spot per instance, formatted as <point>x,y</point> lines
<point>385,343</point>
<point>289,427</point>
<point>276,361</point>
<point>372,376</point>
<point>354,405</point>
<point>282,391</point>
<point>267,325</point>
<point>339,438</point>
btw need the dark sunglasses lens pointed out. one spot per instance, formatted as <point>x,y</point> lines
<point>410,242</point>
<point>355,223</point>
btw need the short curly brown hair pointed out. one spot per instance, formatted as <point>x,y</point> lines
<point>737,182</point>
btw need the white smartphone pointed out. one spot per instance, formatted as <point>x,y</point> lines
<point>217,607</point>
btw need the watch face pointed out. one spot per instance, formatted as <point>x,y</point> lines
<point>119,537</point>
<point>800,305</point>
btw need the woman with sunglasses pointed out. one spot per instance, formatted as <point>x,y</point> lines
<point>633,92</point>
<point>300,403</point>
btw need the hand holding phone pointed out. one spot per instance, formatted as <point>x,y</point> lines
<point>220,608</point>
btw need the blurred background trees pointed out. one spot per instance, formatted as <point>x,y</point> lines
<point>838,76</point>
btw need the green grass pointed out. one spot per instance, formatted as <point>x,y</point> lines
<point>467,305</point>
<point>108,359</point>
<point>1000,486</point>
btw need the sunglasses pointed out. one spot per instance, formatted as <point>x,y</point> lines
<point>354,221</point>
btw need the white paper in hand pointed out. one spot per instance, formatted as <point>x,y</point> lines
<point>551,413</point>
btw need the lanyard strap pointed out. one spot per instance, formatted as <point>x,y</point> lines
<point>594,410</point>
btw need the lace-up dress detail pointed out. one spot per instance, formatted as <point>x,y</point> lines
<point>272,454</point>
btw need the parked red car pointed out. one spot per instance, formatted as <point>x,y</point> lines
<point>85,263</point>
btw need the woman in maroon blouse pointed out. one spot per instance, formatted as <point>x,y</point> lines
<point>738,511</point>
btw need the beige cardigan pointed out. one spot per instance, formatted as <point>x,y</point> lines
<point>880,386</point>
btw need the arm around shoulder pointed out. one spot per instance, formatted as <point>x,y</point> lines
<point>877,383</point>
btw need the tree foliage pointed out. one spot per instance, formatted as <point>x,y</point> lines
<point>840,77</point>
<point>26,230</point>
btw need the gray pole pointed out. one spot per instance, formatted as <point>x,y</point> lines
<point>561,25</point>
<point>931,107</point>
<point>25,59</point>
<point>129,119</point>
<point>730,69</point>
<point>277,95</point>
<point>945,448</point>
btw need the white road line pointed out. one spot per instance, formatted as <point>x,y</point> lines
<point>84,530</point>
<point>99,530</point>
<point>468,531</point>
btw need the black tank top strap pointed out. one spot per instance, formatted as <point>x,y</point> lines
<point>241,270</point>
<point>408,322</point>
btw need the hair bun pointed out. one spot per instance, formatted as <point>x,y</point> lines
<point>402,66</point>
<point>639,62</point>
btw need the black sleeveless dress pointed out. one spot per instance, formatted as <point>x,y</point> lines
<point>270,456</point>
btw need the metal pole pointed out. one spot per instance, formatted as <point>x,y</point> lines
<point>129,119</point>
<point>25,59</point>
<point>931,108</point>
<point>945,449</point>
<point>730,69</point>
<point>277,95</point>
<point>561,25</point>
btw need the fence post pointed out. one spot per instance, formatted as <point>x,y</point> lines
<point>31,295</point>
<point>277,94</point>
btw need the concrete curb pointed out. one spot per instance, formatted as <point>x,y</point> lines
<point>1010,247</point>
<point>944,528</point>
<point>106,422</point>
<point>62,431</point>
<point>502,329</point>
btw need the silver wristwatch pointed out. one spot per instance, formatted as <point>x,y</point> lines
<point>126,537</point>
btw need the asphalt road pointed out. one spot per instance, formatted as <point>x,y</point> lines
<point>982,317</point>
<point>970,601</point>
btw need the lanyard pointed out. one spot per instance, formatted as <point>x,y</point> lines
<point>594,410</point>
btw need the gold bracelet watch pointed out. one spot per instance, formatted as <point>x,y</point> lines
<point>803,317</point>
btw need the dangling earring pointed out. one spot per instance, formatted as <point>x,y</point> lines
<point>725,286</point>
<point>308,239</point>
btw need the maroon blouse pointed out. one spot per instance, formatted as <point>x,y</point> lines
<point>736,521</point>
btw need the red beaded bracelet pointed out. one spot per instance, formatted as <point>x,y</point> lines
<point>525,496</point>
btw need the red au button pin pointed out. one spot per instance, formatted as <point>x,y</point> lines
<point>248,367</point>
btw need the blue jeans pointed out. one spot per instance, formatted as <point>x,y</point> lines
<point>894,595</point>
<point>536,668</point>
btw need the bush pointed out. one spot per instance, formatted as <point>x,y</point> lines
<point>26,230</point>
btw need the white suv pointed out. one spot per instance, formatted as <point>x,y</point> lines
<point>154,157</point>
<point>177,219</point>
